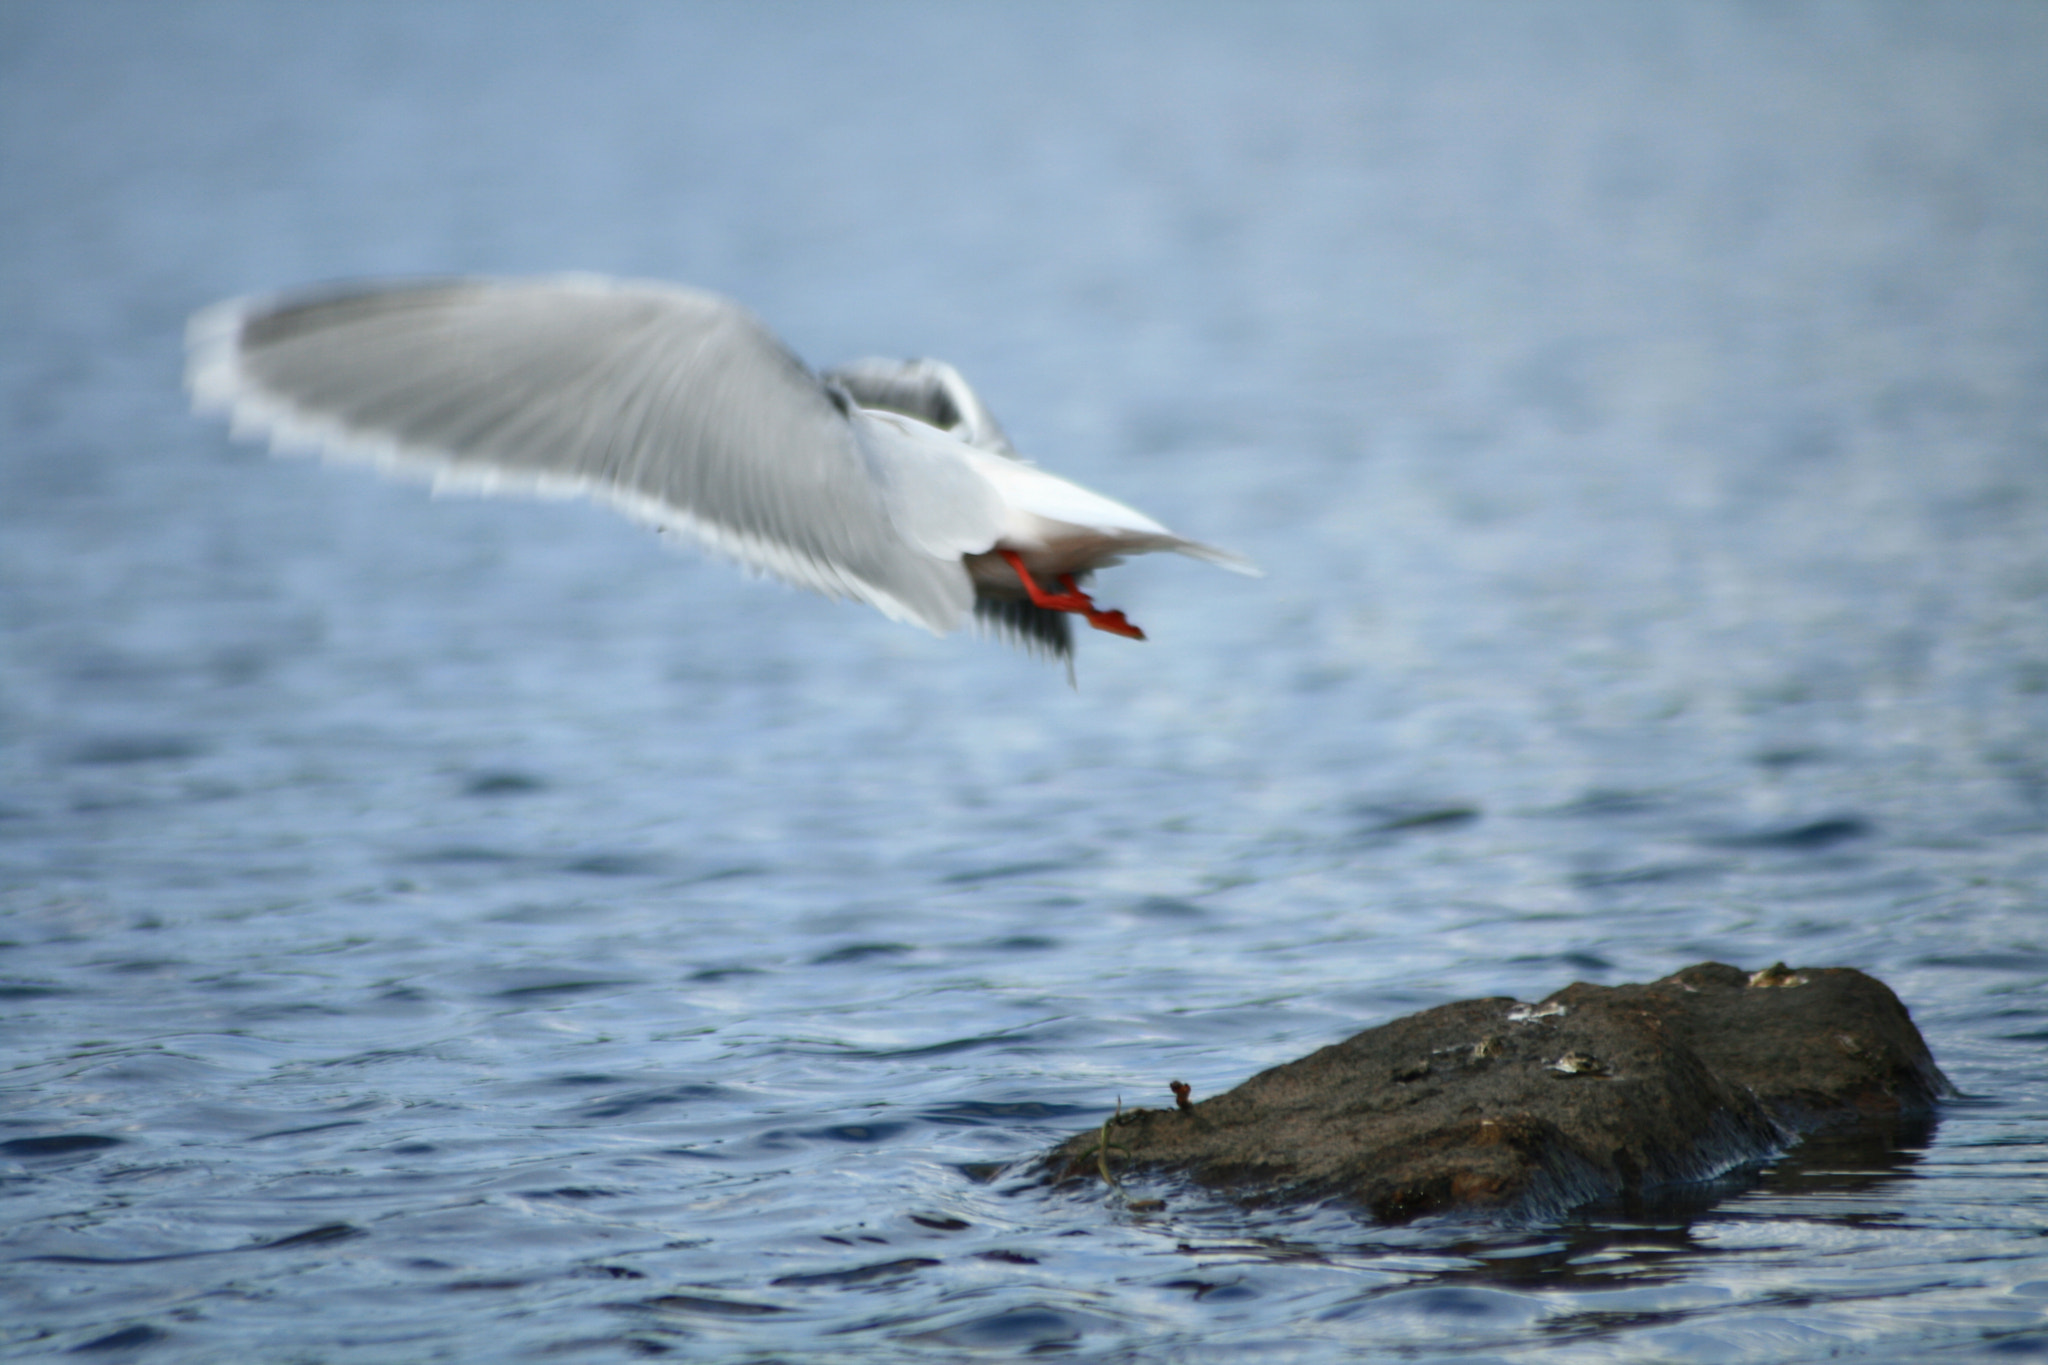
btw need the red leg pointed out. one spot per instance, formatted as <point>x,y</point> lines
<point>1073,600</point>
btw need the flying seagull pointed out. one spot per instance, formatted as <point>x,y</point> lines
<point>886,481</point>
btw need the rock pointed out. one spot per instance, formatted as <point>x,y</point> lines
<point>1597,1093</point>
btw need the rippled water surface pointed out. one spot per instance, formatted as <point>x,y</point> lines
<point>455,930</point>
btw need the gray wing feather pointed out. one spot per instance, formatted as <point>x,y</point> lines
<point>679,406</point>
<point>936,499</point>
<point>929,390</point>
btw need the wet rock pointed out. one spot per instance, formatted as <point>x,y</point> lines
<point>1597,1093</point>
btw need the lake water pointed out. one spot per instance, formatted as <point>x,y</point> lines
<point>469,931</point>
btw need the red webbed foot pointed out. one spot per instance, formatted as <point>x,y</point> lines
<point>1073,600</point>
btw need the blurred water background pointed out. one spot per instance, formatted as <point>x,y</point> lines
<point>461,930</point>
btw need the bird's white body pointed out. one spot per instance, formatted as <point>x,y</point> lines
<point>884,481</point>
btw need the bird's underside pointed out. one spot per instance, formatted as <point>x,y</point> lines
<point>1008,600</point>
<point>887,481</point>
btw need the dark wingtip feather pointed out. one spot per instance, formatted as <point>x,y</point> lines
<point>1050,633</point>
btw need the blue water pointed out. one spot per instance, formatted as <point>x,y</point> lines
<point>455,930</point>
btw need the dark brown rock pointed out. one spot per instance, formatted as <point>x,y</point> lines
<point>1596,1093</point>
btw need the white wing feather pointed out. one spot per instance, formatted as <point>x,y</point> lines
<point>679,407</point>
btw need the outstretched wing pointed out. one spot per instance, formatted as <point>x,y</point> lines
<point>680,407</point>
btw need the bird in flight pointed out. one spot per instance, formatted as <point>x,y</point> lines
<point>884,481</point>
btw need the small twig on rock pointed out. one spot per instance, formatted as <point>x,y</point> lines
<point>1103,1146</point>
